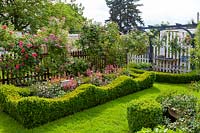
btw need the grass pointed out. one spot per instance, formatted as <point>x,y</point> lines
<point>107,118</point>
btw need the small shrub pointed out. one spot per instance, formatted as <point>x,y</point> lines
<point>144,113</point>
<point>77,66</point>
<point>143,66</point>
<point>195,86</point>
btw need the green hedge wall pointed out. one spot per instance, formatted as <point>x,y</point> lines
<point>173,78</point>
<point>177,78</point>
<point>34,111</point>
<point>144,113</point>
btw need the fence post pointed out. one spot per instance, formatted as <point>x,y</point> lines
<point>150,51</point>
<point>127,56</point>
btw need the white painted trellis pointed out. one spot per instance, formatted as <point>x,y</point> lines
<point>164,59</point>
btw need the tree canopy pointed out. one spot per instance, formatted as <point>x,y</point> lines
<point>33,14</point>
<point>125,13</point>
<point>72,13</point>
<point>24,13</point>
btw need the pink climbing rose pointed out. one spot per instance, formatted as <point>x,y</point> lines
<point>17,66</point>
<point>34,55</point>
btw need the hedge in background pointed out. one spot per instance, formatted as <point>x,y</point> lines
<point>177,78</point>
<point>173,78</point>
<point>144,113</point>
<point>34,111</point>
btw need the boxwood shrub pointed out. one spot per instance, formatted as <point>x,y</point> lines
<point>177,78</point>
<point>173,78</point>
<point>145,113</point>
<point>32,111</point>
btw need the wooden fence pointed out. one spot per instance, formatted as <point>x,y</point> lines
<point>165,58</point>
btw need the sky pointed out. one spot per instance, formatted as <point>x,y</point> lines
<point>153,11</point>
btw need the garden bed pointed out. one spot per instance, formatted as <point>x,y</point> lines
<point>33,111</point>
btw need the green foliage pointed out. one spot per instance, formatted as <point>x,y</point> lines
<point>74,19</point>
<point>144,113</point>
<point>137,42</point>
<point>196,51</point>
<point>77,66</point>
<point>23,14</point>
<point>102,41</point>
<point>125,13</point>
<point>34,111</point>
<point>171,77</point>
<point>144,66</point>
<point>7,36</point>
<point>195,86</point>
<point>47,90</point>
<point>159,129</point>
<point>177,78</point>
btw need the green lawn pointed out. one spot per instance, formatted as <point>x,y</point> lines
<point>106,118</point>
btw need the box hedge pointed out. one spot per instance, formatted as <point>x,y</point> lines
<point>33,111</point>
<point>144,113</point>
<point>172,77</point>
<point>177,78</point>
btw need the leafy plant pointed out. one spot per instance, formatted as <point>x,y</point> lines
<point>46,89</point>
<point>159,129</point>
<point>136,42</point>
<point>185,109</point>
<point>142,65</point>
<point>195,85</point>
<point>77,66</point>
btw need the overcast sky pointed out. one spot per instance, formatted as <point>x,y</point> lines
<point>153,11</point>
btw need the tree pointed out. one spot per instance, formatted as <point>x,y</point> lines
<point>125,13</point>
<point>74,19</point>
<point>24,14</point>
<point>102,41</point>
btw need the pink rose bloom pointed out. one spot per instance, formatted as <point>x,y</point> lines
<point>34,55</point>
<point>26,56</point>
<point>4,27</point>
<point>20,44</point>
<point>46,39</point>
<point>29,45</point>
<point>23,50</point>
<point>17,66</point>
<point>11,32</point>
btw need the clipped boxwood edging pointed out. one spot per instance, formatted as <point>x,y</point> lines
<point>145,113</point>
<point>177,78</point>
<point>173,78</point>
<point>34,111</point>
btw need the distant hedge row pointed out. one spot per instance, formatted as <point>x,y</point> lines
<point>34,111</point>
<point>173,78</point>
